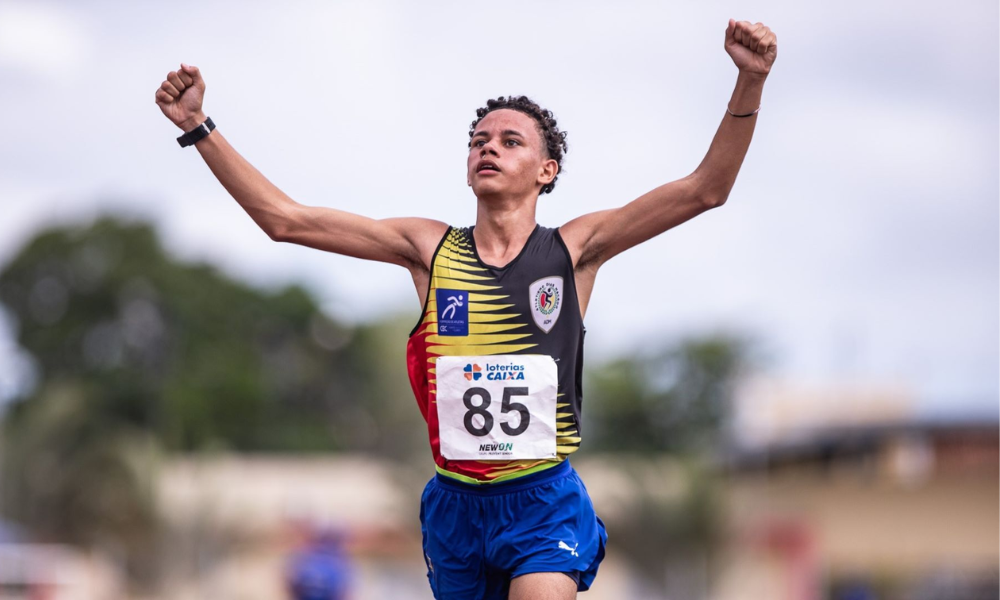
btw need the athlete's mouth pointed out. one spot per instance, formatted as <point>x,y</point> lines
<point>487,166</point>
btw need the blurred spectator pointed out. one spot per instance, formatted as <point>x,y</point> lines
<point>320,570</point>
<point>856,591</point>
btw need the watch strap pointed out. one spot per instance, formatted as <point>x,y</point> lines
<point>197,134</point>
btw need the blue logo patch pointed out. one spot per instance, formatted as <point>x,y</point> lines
<point>453,312</point>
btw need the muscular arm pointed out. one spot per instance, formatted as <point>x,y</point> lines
<point>594,238</point>
<point>400,241</point>
<point>408,242</point>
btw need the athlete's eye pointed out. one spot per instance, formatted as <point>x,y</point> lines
<point>478,143</point>
<point>513,143</point>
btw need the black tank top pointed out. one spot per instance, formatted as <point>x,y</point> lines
<point>529,306</point>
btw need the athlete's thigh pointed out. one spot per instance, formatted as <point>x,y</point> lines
<point>451,524</point>
<point>542,586</point>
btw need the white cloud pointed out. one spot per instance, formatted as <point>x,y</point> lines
<point>45,40</point>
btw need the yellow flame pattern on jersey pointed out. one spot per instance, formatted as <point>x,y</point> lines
<point>493,329</point>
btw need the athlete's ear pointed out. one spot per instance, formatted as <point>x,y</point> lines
<point>548,171</point>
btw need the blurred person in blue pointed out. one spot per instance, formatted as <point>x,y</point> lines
<point>496,357</point>
<point>320,569</point>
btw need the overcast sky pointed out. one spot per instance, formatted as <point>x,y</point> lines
<point>860,243</point>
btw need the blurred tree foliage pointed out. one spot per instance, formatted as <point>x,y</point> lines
<point>178,350</point>
<point>671,399</point>
<point>194,357</point>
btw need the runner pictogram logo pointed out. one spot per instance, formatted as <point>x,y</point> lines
<point>452,312</point>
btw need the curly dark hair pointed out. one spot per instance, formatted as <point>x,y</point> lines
<point>555,140</point>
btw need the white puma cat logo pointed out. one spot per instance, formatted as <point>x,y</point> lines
<point>565,546</point>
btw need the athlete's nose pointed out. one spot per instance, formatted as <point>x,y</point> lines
<point>487,148</point>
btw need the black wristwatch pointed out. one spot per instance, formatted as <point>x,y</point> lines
<point>197,134</point>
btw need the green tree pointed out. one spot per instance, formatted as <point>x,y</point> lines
<point>179,350</point>
<point>673,399</point>
<point>391,425</point>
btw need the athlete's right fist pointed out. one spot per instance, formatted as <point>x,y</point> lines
<point>180,97</point>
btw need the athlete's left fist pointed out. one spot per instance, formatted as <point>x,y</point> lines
<point>752,46</point>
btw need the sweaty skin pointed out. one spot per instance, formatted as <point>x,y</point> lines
<point>507,167</point>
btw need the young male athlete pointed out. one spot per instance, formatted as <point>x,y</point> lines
<point>496,357</point>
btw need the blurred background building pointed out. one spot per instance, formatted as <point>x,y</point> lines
<point>856,497</point>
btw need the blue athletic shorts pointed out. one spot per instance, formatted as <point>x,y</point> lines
<point>479,537</point>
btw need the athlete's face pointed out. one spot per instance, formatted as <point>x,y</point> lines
<point>507,156</point>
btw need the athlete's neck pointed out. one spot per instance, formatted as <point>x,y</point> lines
<point>502,227</point>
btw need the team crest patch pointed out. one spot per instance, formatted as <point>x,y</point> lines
<point>546,301</point>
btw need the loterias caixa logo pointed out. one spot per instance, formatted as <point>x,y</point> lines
<point>494,372</point>
<point>473,372</point>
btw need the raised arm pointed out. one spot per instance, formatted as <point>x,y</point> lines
<point>409,242</point>
<point>594,238</point>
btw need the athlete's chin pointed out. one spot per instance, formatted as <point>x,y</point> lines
<point>488,187</point>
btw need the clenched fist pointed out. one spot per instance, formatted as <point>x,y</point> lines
<point>180,97</point>
<point>752,46</point>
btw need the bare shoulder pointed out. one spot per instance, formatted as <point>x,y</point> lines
<point>422,235</point>
<point>578,236</point>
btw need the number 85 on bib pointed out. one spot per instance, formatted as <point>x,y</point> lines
<point>497,407</point>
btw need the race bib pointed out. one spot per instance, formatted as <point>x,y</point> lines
<point>497,407</point>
